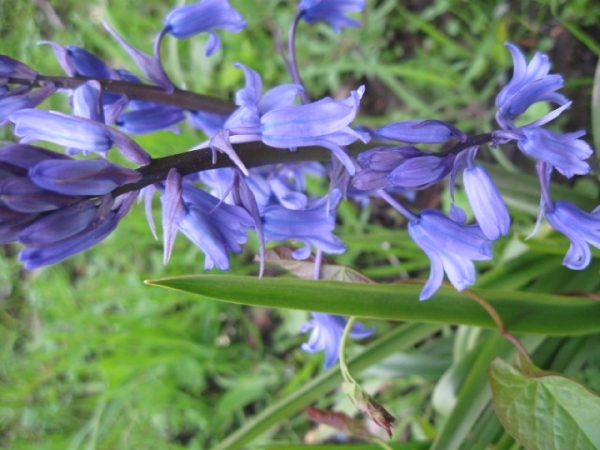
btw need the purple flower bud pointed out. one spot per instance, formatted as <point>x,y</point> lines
<point>377,164</point>
<point>420,131</point>
<point>189,20</point>
<point>422,171</point>
<point>20,194</point>
<point>450,246</point>
<point>77,132</point>
<point>487,203</point>
<point>331,11</point>
<point>109,212</point>
<point>59,225</point>
<point>78,61</point>
<point>27,156</point>
<point>148,120</point>
<point>327,331</point>
<point>81,177</point>
<point>12,68</point>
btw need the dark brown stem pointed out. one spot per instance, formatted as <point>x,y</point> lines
<point>498,321</point>
<point>472,141</point>
<point>184,99</point>
<point>253,154</point>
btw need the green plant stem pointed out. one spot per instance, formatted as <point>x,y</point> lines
<point>345,337</point>
<point>399,339</point>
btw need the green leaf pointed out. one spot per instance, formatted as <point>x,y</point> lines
<point>521,312</point>
<point>545,410</point>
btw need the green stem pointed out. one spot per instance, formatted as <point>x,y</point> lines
<point>399,339</point>
<point>345,338</point>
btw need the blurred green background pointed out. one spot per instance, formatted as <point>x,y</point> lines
<point>91,358</point>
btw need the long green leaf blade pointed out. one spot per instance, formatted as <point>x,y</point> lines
<point>521,312</point>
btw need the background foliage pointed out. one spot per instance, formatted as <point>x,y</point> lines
<point>90,357</point>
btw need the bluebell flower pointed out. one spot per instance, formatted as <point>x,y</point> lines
<point>327,331</point>
<point>422,171</point>
<point>10,67</point>
<point>74,233</point>
<point>312,226</point>
<point>203,17</point>
<point>531,83</point>
<point>401,167</point>
<point>420,131</point>
<point>57,206</point>
<point>565,152</point>
<point>450,246</point>
<point>148,120</point>
<point>76,132</point>
<point>486,202</point>
<point>13,101</point>
<point>214,226</point>
<point>81,177</point>
<point>273,119</point>
<point>78,61</point>
<point>322,123</point>
<point>331,11</point>
<point>150,65</point>
<point>582,228</point>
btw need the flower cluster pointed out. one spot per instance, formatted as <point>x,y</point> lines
<point>57,206</point>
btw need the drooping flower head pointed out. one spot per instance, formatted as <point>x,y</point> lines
<point>312,226</point>
<point>57,206</point>
<point>214,226</point>
<point>203,17</point>
<point>76,133</point>
<point>484,198</point>
<point>531,83</point>
<point>451,247</point>
<point>331,11</point>
<point>327,331</point>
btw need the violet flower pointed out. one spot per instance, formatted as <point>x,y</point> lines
<point>57,206</point>
<point>203,17</point>
<point>582,228</point>
<point>531,83</point>
<point>76,132</point>
<point>312,226</point>
<point>420,131</point>
<point>327,331</point>
<point>486,202</point>
<point>450,246</point>
<point>331,11</point>
<point>216,227</point>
